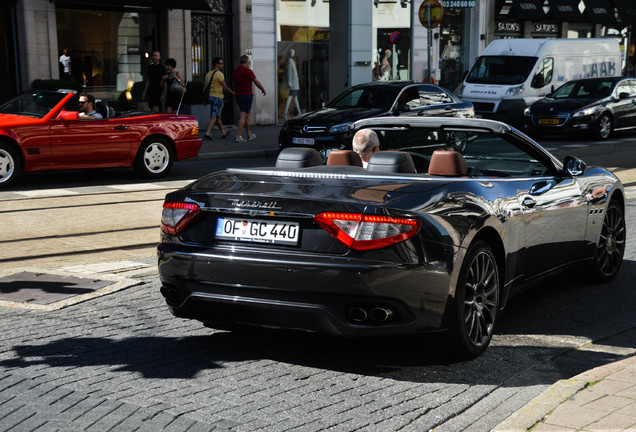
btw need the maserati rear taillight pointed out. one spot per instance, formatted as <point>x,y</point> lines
<point>364,232</point>
<point>177,215</point>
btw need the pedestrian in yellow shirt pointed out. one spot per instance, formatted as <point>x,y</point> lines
<point>215,80</point>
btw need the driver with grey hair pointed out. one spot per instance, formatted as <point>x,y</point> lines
<point>365,143</point>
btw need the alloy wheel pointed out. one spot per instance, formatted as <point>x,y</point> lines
<point>604,126</point>
<point>481,302</point>
<point>611,245</point>
<point>156,157</point>
<point>8,165</point>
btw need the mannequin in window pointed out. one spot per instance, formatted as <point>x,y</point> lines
<point>290,82</point>
<point>385,70</point>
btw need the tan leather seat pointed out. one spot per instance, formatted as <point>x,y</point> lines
<point>447,163</point>
<point>344,157</point>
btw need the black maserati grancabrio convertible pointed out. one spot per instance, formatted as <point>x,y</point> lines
<point>444,225</point>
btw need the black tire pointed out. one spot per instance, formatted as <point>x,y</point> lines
<point>611,244</point>
<point>476,303</point>
<point>154,158</point>
<point>603,127</point>
<point>10,165</point>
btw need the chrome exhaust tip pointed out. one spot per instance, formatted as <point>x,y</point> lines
<point>172,295</point>
<point>357,314</point>
<point>381,314</point>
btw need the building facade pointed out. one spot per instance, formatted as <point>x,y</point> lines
<point>304,52</point>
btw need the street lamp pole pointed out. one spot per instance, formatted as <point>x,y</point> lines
<point>428,50</point>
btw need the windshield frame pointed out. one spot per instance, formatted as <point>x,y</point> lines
<point>505,65</point>
<point>390,94</point>
<point>600,89</point>
<point>36,104</point>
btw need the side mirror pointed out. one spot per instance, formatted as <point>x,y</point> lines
<point>538,81</point>
<point>623,95</point>
<point>68,116</point>
<point>574,166</point>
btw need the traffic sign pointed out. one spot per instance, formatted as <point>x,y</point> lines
<point>434,7</point>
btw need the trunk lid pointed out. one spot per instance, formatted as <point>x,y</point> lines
<point>291,199</point>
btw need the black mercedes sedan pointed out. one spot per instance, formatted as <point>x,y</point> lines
<point>448,221</point>
<point>594,106</point>
<point>327,128</point>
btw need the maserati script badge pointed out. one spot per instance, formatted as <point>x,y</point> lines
<point>268,205</point>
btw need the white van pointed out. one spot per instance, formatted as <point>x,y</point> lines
<point>513,73</point>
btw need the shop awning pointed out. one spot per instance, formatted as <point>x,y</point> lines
<point>198,5</point>
<point>599,12</point>
<point>521,10</point>
<point>528,10</point>
<point>565,11</point>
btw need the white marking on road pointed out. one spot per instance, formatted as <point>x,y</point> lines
<point>48,192</point>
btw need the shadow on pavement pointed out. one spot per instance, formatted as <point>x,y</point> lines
<point>530,337</point>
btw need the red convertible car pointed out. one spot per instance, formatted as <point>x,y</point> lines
<point>42,130</point>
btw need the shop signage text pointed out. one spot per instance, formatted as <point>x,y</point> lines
<point>546,28</point>
<point>459,3</point>
<point>508,26</point>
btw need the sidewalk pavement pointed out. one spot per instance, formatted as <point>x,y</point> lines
<point>601,399</point>
<point>265,144</point>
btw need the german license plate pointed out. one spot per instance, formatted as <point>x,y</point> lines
<point>256,230</point>
<point>303,141</point>
<point>549,121</point>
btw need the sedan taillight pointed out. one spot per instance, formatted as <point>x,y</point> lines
<point>364,232</point>
<point>177,215</point>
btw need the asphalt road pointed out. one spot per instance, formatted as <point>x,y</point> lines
<point>122,362</point>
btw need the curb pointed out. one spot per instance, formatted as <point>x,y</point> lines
<point>535,410</point>
<point>541,406</point>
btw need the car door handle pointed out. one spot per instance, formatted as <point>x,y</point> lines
<point>529,202</point>
<point>121,128</point>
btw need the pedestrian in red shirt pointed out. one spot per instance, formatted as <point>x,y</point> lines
<point>243,77</point>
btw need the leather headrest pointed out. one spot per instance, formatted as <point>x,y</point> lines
<point>391,162</point>
<point>344,157</point>
<point>298,157</point>
<point>447,163</point>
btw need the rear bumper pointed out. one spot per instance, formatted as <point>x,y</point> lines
<point>188,148</point>
<point>329,296</point>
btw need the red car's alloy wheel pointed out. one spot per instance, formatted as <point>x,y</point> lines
<point>9,164</point>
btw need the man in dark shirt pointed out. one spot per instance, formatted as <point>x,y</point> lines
<point>155,83</point>
<point>243,77</point>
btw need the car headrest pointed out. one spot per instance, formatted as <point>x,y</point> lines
<point>391,162</point>
<point>298,157</point>
<point>102,108</point>
<point>447,163</point>
<point>344,157</point>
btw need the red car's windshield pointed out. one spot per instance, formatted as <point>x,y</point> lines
<point>33,104</point>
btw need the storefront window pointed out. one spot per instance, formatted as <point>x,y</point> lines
<point>452,48</point>
<point>303,56</point>
<point>392,45</point>
<point>109,49</point>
